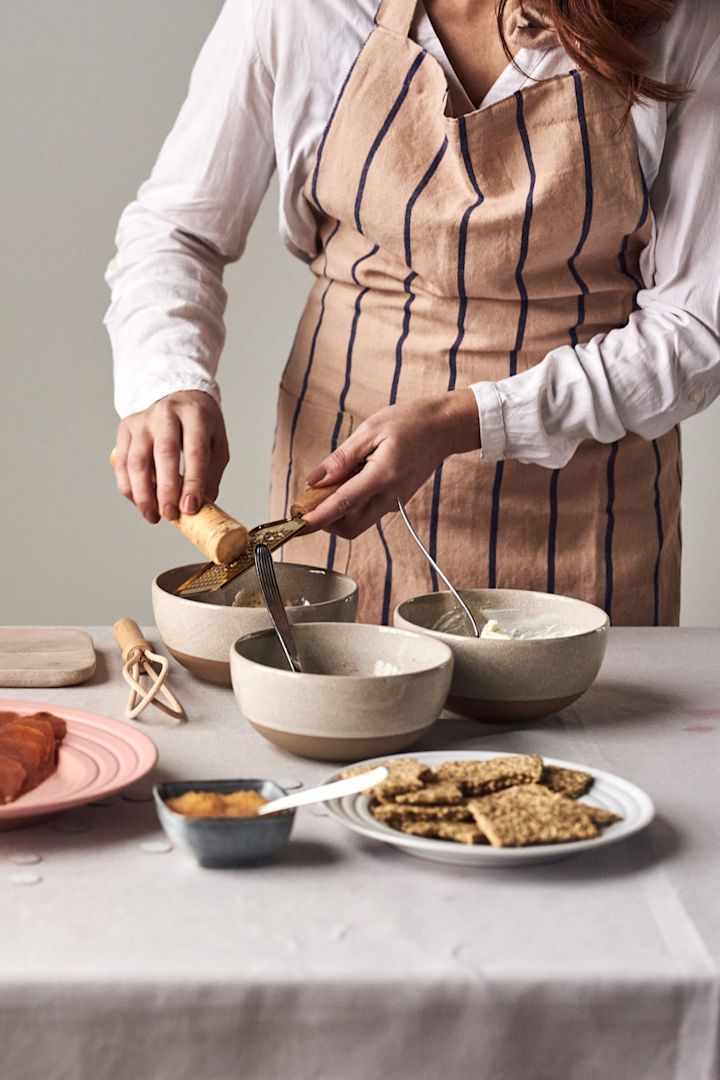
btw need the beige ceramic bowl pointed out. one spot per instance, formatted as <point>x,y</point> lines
<point>505,681</point>
<point>365,690</point>
<point>200,632</point>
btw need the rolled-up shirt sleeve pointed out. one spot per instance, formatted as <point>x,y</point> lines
<point>664,364</point>
<point>191,218</point>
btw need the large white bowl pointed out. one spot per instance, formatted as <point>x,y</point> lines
<point>364,690</point>
<point>200,632</point>
<point>504,681</point>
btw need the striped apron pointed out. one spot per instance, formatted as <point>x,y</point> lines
<point>460,249</point>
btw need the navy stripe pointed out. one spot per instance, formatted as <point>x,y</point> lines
<point>393,398</point>
<point>645,210</point>
<point>520,337</point>
<point>326,132</point>
<point>660,533</point>
<point>306,376</point>
<point>678,469</point>
<point>525,240</point>
<point>348,371</point>
<point>432,169</point>
<point>397,104</point>
<point>495,524</point>
<point>589,200</point>
<point>626,240</point>
<point>387,591</point>
<point>462,312</point>
<point>403,336</point>
<point>552,529</point>
<point>610,528</point>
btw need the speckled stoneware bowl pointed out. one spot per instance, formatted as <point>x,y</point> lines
<point>200,632</point>
<point>506,681</point>
<point>364,691</point>
<point>223,842</point>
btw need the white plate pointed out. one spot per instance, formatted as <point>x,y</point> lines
<point>609,792</point>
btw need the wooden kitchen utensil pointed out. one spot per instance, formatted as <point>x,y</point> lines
<point>48,656</point>
<point>139,663</point>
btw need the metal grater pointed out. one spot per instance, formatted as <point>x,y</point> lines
<point>213,576</point>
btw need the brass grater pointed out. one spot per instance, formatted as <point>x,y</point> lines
<point>274,534</point>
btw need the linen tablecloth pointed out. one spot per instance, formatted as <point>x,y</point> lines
<point>346,959</point>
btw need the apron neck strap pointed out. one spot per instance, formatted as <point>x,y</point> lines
<point>396,15</point>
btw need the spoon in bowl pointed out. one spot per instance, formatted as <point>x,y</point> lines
<point>438,571</point>
<point>325,792</point>
<point>274,602</point>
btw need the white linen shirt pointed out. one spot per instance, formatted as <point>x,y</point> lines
<point>259,98</point>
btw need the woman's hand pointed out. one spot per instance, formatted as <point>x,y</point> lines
<point>147,457</point>
<point>389,456</point>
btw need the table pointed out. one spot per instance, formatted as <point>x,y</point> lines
<point>349,960</point>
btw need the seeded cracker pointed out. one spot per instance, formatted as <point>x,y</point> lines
<point>444,792</point>
<point>406,774</point>
<point>390,813</point>
<point>484,777</point>
<point>531,814</point>
<point>599,816</point>
<point>570,782</point>
<point>460,832</point>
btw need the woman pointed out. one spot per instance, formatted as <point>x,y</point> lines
<point>516,299</point>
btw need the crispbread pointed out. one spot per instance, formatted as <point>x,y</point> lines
<point>531,814</point>
<point>484,777</point>
<point>389,812</point>
<point>405,774</point>
<point>598,815</point>
<point>460,832</point>
<point>570,782</point>
<point>444,792</point>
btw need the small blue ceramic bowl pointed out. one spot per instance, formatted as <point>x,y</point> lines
<point>223,842</point>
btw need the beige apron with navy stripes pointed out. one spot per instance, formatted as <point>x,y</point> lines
<point>455,250</point>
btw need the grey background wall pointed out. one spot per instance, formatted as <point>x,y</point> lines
<point>88,89</point>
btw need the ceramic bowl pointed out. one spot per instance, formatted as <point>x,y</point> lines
<point>364,691</point>
<point>506,681</point>
<point>199,632</point>
<point>221,842</point>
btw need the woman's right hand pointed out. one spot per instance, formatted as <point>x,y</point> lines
<point>147,455</point>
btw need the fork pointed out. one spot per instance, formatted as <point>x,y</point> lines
<point>273,600</point>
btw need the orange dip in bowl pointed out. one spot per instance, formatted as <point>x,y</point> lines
<point>204,804</point>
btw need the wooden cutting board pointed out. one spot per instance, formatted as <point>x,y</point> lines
<point>52,656</point>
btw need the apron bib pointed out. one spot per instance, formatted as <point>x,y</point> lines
<point>460,249</point>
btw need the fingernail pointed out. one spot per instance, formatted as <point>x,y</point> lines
<point>191,504</point>
<point>317,475</point>
<point>169,512</point>
<point>151,516</point>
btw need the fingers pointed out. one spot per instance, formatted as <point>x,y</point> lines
<point>345,461</point>
<point>148,453</point>
<point>140,469</point>
<point>166,454</point>
<point>219,457</point>
<point>351,501</point>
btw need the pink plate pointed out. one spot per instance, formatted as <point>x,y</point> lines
<point>98,757</point>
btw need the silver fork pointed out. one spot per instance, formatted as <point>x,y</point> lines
<point>438,571</point>
<point>273,600</point>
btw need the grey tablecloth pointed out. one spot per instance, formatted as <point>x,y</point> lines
<point>347,960</point>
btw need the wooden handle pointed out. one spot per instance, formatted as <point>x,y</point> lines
<point>129,636</point>
<point>221,538</point>
<point>312,499</point>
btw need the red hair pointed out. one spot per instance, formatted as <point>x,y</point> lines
<point>601,36</point>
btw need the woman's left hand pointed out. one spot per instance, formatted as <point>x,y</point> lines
<point>390,455</point>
